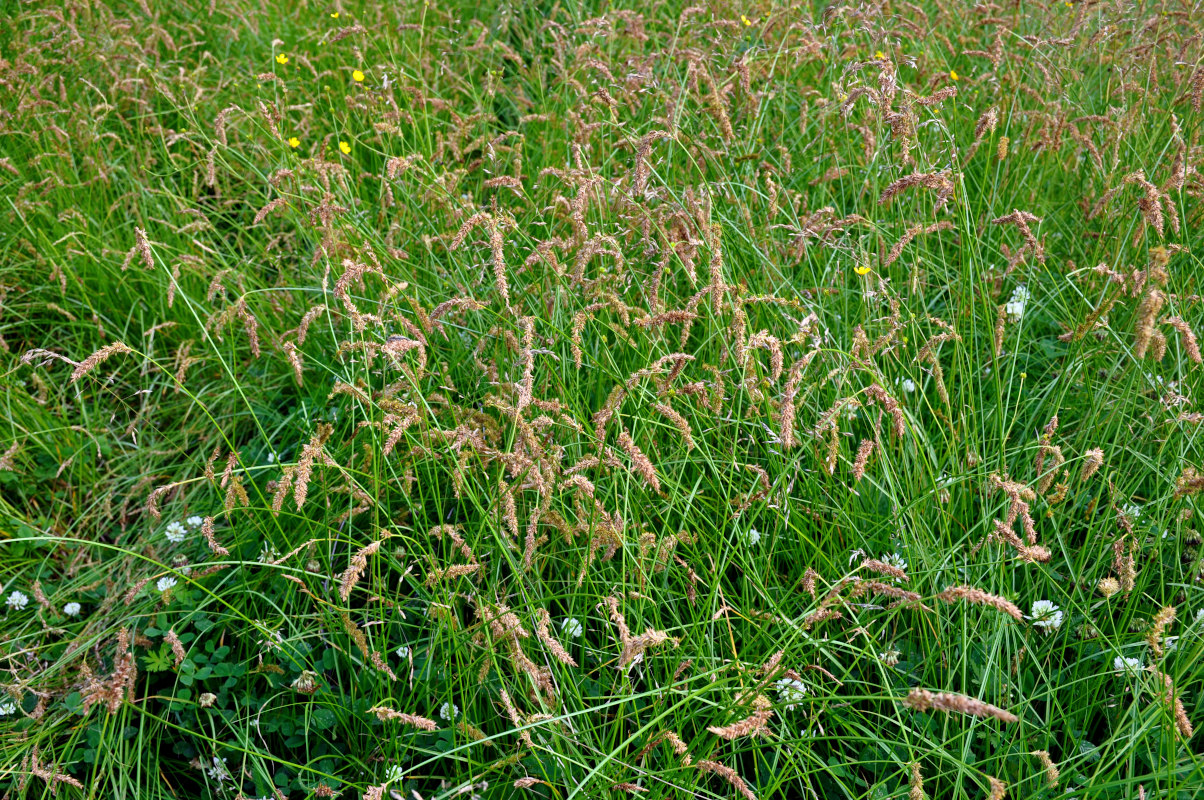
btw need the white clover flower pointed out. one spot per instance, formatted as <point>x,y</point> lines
<point>403,652</point>
<point>71,609</point>
<point>449,711</point>
<point>572,627</point>
<point>908,385</point>
<point>194,521</point>
<point>175,532</point>
<point>895,560</point>
<point>165,583</point>
<point>1015,306</point>
<point>1128,666</point>
<point>218,771</point>
<point>268,553</point>
<point>1200,616</point>
<point>7,707</point>
<point>1046,615</point>
<point>394,774</point>
<point>791,692</point>
<point>17,600</point>
<point>1132,510</point>
<point>753,536</point>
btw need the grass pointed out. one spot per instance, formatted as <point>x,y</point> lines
<point>563,387</point>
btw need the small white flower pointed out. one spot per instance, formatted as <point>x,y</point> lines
<point>17,600</point>
<point>908,385</point>
<point>175,533</point>
<point>895,560</point>
<point>572,627</point>
<point>1015,306</point>
<point>1200,616</point>
<point>218,771</point>
<point>1129,666</point>
<point>271,458</point>
<point>1132,510</point>
<point>448,711</point>
<point>1046,615</point>
<point>791,692</point>
<point>71,609</point>
<point>403,652</point>
<point>268,553</point>
<point>7,707</point>
<point>394,774</point>
<point>195,522</point>
<point>753,536</point>
<point>165,583</point>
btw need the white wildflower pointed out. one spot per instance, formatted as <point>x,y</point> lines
<point>403,652</point>
<point>195,522</point>
<point>218,771</point>
<point>1129,666</point>
<point>71,609</point>
<point>394,774</point>
<point>7,707</point>
<point>753,536</point>
<point>1015,306</point>
<point>895,560</point>
<point>908,385</point>
<point>791,692</point>
<point>1046,615</point>
<point>17,600</point>
<point>572,627</point>
<point>449,711</point>
<point>165,583</point>
<point>175,532</point>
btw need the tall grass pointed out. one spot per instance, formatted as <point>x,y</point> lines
<point>412,400</point>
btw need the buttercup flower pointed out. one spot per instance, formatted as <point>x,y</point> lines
<point>953,74</point>
<point>281,59</point>
<point>294,142</point>
<point>357,76</point>
<point>346,148</point>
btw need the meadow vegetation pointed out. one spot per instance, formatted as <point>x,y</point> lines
<point>556,400</point>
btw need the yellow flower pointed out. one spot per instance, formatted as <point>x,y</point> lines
<point>281,59</point>
<point>862,270</point>
<point>357,76</point>
<point>745,20</point>
<point>334,15</point>
<point>346,148</point>
<point>880,55</point>
<point>953,74</point>
<point>293,141</point>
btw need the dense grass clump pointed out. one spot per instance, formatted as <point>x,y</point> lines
<point>418,401</point>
